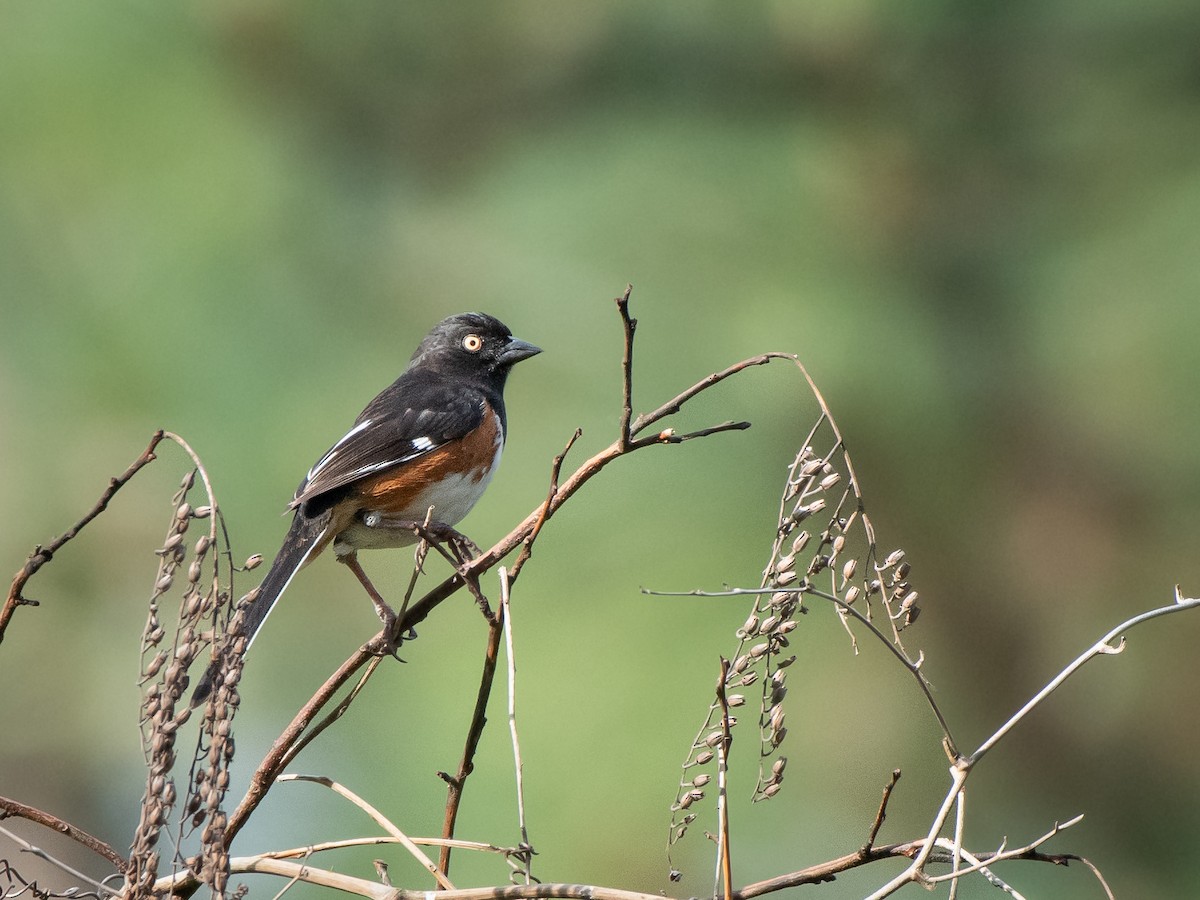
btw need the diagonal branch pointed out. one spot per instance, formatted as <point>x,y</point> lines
<point>42,555</point>
<point>54,823</point>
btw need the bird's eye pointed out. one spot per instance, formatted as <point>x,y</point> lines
<point>472,343</point>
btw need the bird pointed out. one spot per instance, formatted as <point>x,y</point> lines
<point>422,452</point>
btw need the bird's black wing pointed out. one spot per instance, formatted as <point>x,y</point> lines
<point>408,420</point>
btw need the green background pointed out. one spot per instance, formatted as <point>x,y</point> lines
<point>976,222</point>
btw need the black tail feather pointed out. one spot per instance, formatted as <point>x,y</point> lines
<point>303,538</point>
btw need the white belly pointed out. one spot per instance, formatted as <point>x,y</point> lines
<point>452,498</point>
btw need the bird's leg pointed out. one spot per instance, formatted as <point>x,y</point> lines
<point>461,547</point>
<point>386,614</point>
<point>458,549</point>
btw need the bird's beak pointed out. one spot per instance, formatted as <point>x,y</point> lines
<point>516,351</point>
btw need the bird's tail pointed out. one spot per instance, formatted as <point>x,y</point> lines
<point>304,537</point>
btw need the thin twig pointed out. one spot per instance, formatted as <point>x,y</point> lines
<point>981,861</point>
<point>724,853</point>
<point>334,714</point>
<point>914,668</point>
<point>54,861</point>
<point>42,555</point>
<point>881,814</point>
<point>380,819</point>
<point>457,783</point>
<point>1103,647</point>
<point>630,326</point>
<point>511,661</point>
<point>527,543</point>
<point>675,404</point>
<point>378,839</point>
<point>54,823</point>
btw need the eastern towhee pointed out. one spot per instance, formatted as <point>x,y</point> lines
<point>430,441</point>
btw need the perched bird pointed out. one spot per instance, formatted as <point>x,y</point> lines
<point>432,440</point>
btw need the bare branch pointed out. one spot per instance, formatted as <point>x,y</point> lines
<point>457,783</point>
<point>42,555</point>
<point>881,815</point>
<point>1102,647</point>
<point>380,819</point>
<point>630,325</point>
<point>11,807</point>
<point>518,765</point>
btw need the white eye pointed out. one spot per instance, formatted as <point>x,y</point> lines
<point>472,343</point>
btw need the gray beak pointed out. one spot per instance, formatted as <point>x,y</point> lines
<point>516,351</point>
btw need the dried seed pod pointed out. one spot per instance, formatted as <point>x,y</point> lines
<point>839,543</point>
<point>781,598</point>
<point>783,579</point>
<point>768,624</point>
<point>848,570</point>
<point>714,738</point>
<point>909,601</point>
<point>696,796</point>
<point>778,766</point>
<point>749,678</point>
<point>751,627</point>
<point>785,562</point>
<point>771,790</point>
<point>740,664</point>
<point>852,594</point>
<point>735,700</point>
<point>164,583</point>
<point>893,559</point>
<point>172,542</point>
<point>784,663</point>
<point>701,780</point>
<point>194,571</point>
<point>800,542</point>
<point>787,626</point>
<point>188,480</point>
<point>704,758</point>
<point>254,562</point>
<point>758,651</point>
<point>184,511</point>
<point>202,544</point>
<point>902,571</point>
<point>202,512</point>
<point>830,480</point>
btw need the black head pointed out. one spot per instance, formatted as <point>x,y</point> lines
<point>474,343</point>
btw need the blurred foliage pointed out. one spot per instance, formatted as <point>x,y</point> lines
<point>975,221</point>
